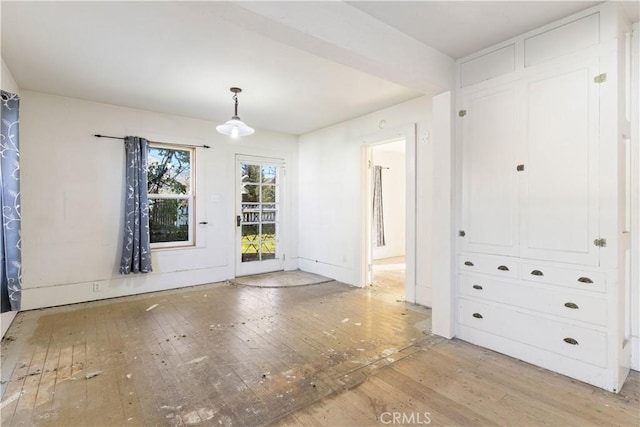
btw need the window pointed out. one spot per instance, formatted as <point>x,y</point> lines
<point>170,189</point>
<point>260,200</point>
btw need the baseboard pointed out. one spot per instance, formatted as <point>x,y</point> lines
<point>133,284</point>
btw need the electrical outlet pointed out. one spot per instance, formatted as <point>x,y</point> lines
<point>96,286</point>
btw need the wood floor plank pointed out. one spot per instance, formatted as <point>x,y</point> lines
<point>24,411</point>
<point>319,355</point>
<point>538,385</point>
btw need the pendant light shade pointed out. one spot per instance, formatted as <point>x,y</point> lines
<point>235,127</point>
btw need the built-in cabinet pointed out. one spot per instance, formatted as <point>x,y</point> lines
<point>530,169</point>
<point>541,243</point>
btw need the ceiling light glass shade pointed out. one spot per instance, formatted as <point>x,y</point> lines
<point>235,127</point>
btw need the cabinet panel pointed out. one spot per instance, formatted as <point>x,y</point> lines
<point>569,340</point>
<point>494,265</point>
<point>563,40</point>
<point>584,280</point>
<point>560,206</point>
<point>569,305</point>
<point>489,188</point>
<point>497,63</point>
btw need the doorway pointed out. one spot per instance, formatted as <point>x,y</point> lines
<point>259,183</point>
<point>387,217</point>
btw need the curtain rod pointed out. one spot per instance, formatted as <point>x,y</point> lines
<point>157,142</point>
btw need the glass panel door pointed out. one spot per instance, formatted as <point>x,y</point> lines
<point>258,217</point>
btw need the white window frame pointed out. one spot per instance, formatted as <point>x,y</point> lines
<point>190,197</point>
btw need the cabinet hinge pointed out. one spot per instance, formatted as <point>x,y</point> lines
<point>369,164</point>
<point>461,233</point>
<point>600,78</point>
<point>462,113</point>
<point>601,243</point>
<point>284,257</point>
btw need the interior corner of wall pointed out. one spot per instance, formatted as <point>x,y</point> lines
<point>8,83</point>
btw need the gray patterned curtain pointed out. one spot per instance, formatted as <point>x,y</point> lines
<point>136,252</point>
<point>378,211</point>
<point>11,250</point>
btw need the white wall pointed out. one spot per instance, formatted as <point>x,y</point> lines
<point>330,194</point>
<point>72,199</point>
<point>8,84</point>
<point>394,202</point>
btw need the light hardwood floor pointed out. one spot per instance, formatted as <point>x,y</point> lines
<point>325,354</point>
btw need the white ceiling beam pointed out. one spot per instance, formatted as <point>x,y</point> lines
<point>341,33</point>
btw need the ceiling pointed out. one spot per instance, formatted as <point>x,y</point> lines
<point>302,65</point>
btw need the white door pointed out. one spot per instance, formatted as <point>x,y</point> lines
<point>259,183</point>
<point>560,215</point>
<point>490,188</point>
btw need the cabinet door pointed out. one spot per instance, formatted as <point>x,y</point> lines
<point>560,191</point>
<point>489,194</point>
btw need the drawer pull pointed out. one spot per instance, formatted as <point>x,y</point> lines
<point>477,315</point>
<point>537,273</point>
<point>571,341</point>
<point>503,268</point>
<point>478,287</point>
<point>585,280</point>
<point>469,263</point>
<point>571,305</point>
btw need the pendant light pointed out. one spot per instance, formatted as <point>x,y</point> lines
<point>235,127</point>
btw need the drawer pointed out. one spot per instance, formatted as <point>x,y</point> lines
<point>566,304</point>
<point>498,266</point>
<point>578,279</point>
<point>568,340</point>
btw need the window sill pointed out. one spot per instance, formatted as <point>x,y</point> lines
<point>173,246</point>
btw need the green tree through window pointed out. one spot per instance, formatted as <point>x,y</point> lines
<point>170,192</point>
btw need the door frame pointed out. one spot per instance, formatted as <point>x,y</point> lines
<point>258,267</point>
<point>408,133</point>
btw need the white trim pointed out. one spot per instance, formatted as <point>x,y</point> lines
<point>443,302</point>
<point>635,353</point>
<point>635,197</point>
<point>5,321</point>
<point>71,293</point>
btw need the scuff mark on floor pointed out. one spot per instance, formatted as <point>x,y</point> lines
<point>389,351</point>
<point>11,398</point>
<point>196,360</point>
<point>198,416</point>
<point>92,374</point>
<point>152,307</point>
<point>171,408</point>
